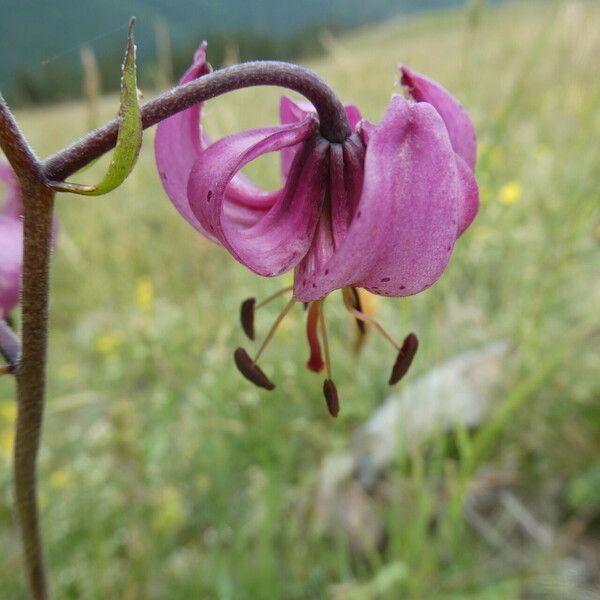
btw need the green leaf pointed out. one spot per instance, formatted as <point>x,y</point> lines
<point>129,137</point>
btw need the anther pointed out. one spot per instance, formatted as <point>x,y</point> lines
<point>331,397</point>
<point>249,307</point>
<point>250,370</point>
<point>6,369</point>
<point>405,357</point>
<point>247,316</point>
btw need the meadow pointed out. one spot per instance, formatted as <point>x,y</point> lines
<point>164,474</point>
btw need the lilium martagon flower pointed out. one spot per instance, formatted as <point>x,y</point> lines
<point>379,208</point>
<point>11,241</point>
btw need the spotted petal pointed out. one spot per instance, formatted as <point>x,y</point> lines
<point>270,240</point>
<point>459,125</point>
<point>406,221</point>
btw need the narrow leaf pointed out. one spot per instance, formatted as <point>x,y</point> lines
<point>129,137</point>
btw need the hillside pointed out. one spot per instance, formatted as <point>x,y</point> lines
<point>42,39</point>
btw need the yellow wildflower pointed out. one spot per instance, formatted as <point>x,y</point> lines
<point>7,440</point>
<point>59,479</point>
<point>8,412</point>
<point>144,295</point>
<point>109,342</point>
<point>511,192</point>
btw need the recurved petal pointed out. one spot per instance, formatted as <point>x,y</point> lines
<point>468,198</point>
<point>178,144</point>
<point>292,111</point>
<point>459,124</point>
<point>270,240</point>
<point>405,224</point>
<point>11,263</point>
<point>10,202</point>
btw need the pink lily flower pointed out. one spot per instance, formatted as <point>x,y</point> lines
<point>11,242</point>
<point>380,210</point>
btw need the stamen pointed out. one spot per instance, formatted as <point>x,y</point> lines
<point>250,370</point>
<point>274,327</point>
<point>366,318</point>
<point>315,360</point>
<point>354,299</point>
<point>268,299</point>
<point>6,369</point>
<point>247,316</point>
<point>324,338</point>
<point>331,397</point>
<point>249,306</point>
<point>329,389</point>
<point>405,358</point>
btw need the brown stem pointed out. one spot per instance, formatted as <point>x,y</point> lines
<point>333,121</point>
<point>38,201</point>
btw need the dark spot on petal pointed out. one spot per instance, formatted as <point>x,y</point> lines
<point>304,282</point>
<point>314,285</point>
<point>448,248</point>
<point>326,271</point>
<point>209,195</point>
<point>358,214</point>
<point>402,287</point>
<point>385,280</point>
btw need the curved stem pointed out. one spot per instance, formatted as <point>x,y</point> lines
<point>38,203</point>
<point>333,121</point>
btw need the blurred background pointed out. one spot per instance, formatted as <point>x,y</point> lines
<point>164,474</point>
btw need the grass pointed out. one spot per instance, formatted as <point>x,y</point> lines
<point>164,474</point>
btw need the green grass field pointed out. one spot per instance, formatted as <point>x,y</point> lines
<point>164,474</point>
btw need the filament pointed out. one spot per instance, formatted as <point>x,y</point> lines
<point>268,299</point>
<point>274,327</point>
<point>325,340</point>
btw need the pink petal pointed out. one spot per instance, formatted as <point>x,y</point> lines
<point>178,144</point>
<point>13,206</point>
<point>458,122</point>
<point>11,262</point>
<point>468,200</point>
<point>270,240</point>
<point>406,221</point>
<point>292,111</point>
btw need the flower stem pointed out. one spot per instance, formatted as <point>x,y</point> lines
<point>333,121</point>
<point>38,201</point>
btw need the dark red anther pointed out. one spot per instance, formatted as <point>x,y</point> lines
<point>247,317</point>
<point>405,358</point>
<point>331,397</point>
<point>250,370</point>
